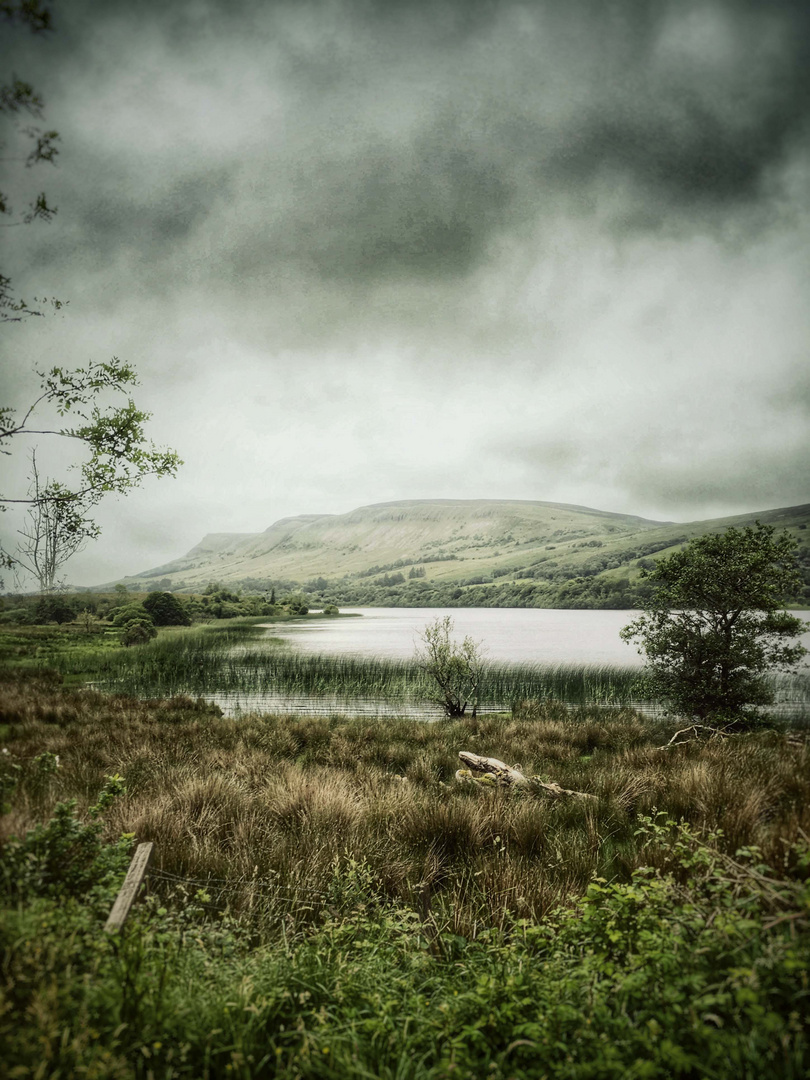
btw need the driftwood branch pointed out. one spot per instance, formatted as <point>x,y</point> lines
<point>714,732</point>
<point>490,772</point>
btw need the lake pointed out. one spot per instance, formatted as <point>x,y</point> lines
<point>517,635</point>
<point>520,635</point>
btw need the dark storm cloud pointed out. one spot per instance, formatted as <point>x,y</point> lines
<point>751,477</point>
<point>426,208</point>
<point>408,137</point>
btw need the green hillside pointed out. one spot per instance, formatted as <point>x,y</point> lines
<point>455,553</point>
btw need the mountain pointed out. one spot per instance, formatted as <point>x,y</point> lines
<point>453,552</point>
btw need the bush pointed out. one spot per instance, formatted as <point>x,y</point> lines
<point>138,631</point>
<point>20,616</point>
<point>166,609</point>
<point>54,609</point>
<point>65,856</point>
<point>122,615</point>
<point>297,604</point>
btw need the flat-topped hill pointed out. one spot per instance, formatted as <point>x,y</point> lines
<point>452,551</point>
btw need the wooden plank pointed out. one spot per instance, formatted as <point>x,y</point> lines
<point>129,890</point>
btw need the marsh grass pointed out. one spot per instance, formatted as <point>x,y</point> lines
<point>242,659</point>
<point>267,812</point>
<point>244,669</point>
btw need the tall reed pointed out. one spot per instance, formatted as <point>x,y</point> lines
<point>240,660</point>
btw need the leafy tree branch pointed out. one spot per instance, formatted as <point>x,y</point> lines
<point>118,456</point>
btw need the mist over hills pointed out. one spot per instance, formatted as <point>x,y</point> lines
<point>446,552</point>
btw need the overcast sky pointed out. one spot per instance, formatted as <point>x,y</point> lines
<point>387,250</point>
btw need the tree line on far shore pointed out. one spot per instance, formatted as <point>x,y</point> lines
<point>138,616</point>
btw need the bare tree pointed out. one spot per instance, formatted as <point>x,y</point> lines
<point>56,528</point>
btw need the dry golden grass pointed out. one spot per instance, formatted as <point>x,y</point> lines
<point>284,800</point>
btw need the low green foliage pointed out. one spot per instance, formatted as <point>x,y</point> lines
<point>698,969</point>
<point>65,856</point>
<point>119,617</point>
<point>138,632</point>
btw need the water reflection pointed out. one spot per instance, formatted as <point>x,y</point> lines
<point>520,635</point>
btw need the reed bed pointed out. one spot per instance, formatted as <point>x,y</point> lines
<point>239,663</point>
<point>242,659</point>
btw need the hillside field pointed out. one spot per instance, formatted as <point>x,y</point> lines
<point>457,553</point>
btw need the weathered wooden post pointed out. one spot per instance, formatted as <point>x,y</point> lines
<point>129,890</point>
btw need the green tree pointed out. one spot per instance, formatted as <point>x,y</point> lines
<point>712,628</point>
<point>166,610</point>
<point>297,604</point>
<point>115,454</point>
<point>454,667</point>
<point>54,609</point>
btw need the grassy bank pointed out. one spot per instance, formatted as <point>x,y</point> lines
<point>326,900</point>
<point>282,798</point>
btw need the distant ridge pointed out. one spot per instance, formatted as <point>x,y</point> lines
<point>506,502</point>
<point>428,552</point>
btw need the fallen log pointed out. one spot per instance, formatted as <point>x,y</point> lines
<point>491,772</point>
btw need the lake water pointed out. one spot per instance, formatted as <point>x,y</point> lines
<point>520,635</point>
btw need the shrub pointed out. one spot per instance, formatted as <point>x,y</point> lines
<point>65,856</point>
<point>138,631</point>
<point>122,615</point>
<point>455,669</point>
<point>166,609</point>
<point>297,604</point>
<point>54,609</point>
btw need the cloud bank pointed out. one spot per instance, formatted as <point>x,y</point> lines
<point>367,251</point>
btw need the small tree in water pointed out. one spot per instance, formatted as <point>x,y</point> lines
<point>713,629</point>
<point>455,668</point>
